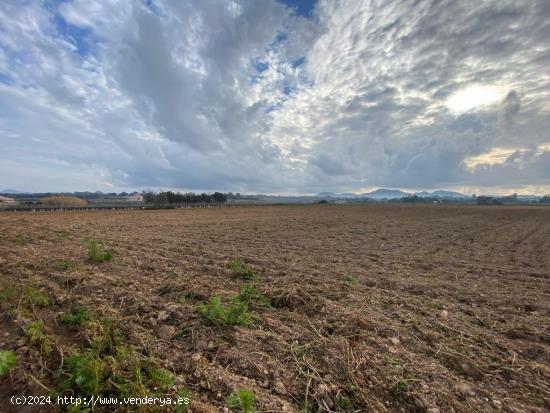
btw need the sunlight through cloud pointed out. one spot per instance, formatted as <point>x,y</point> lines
<point>474,97</point>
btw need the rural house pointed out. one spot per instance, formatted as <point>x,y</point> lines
<point>5,200</point>
<point>135,198</point>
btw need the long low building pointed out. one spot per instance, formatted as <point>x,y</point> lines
<point>6,200</point>
<point>135,198</point>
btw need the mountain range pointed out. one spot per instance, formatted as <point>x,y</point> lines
<point>441,194</point>
<point>384,193</point>
<point>12,191</point>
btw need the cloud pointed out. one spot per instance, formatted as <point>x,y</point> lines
<point>511,106</point>
<point>250,96</point>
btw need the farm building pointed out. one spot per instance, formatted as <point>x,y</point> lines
<point>134,198</point>
<point>5,200</point>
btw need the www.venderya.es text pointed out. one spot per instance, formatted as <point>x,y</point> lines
<point>99,401</point>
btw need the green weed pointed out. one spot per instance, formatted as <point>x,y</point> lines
<point>234,314</point>
<point>241,270</point>
<point>242,400</point>
<point>252,297</point>
<point>111,367</point>
<point>16,298</point>
<point>37,338</point>
<point>344,403</point>
<point>160,377</point>
<point>186,397</point>
<point>400,389</point>
<point>105,337</point>
<point>182,334</point>
<point>28,296</point>
<point>347,399</point>
<point>96,251</point>
<point>65,265</point>
<point>35,297</point>
<point>190,297</point>
<point>87,373</point>
<point>76,317</point>
<point>8,360</point>
<point>7,293</point>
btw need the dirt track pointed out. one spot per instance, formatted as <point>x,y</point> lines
<point>373,308</point>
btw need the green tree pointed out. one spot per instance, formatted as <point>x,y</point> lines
<point>219,197</point>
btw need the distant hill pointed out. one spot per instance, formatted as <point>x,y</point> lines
<point>339,195</point>
<point>385,194</point>
<point>441,194</point>
<point>12,191</point>
<point>529,197</point>
<point>348,195</point>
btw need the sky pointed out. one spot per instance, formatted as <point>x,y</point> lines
<point>280,97</point>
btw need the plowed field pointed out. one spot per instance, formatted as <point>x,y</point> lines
<point>382,308</point>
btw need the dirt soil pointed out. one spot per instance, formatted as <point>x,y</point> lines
<point>382,308</point>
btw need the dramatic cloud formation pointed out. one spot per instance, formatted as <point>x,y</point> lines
<point>272,96</point>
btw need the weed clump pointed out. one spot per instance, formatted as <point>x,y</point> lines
<point>402,386</point>
<point>7,293</point>
<point>252,297</point>
<point>65,265</point>
<point>352,280</point>
<point>190,297</point>
<point>76,317</point>
<point>37,337</point>
<point>28,297</point>
<point>242,400</point>
<point>35,297</point>
<point>185,396</point>
<point>96,251</point>
<point>241,270</point>
<point>236,312</point>
<point>8,360</point>
<point>123,371</point>
<point>182,334</point>
<point>15,300</point>
<point>111,367</point>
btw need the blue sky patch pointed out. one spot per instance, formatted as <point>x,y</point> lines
<point>81,38</point>
<point>281,37</point>
<point>150,4</point>
<point>298,62</point>
<point>287,89</point>
<point>5,79</point>
<point>261,66</point>
<point>303,8</point>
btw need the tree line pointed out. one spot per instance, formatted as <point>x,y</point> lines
<point>169,197</point>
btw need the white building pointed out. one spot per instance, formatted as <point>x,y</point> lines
<point>135,198</point>
<point>5,200</point>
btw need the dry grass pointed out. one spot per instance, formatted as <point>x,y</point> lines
<point>63,201</point>
<point>367,308</point>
